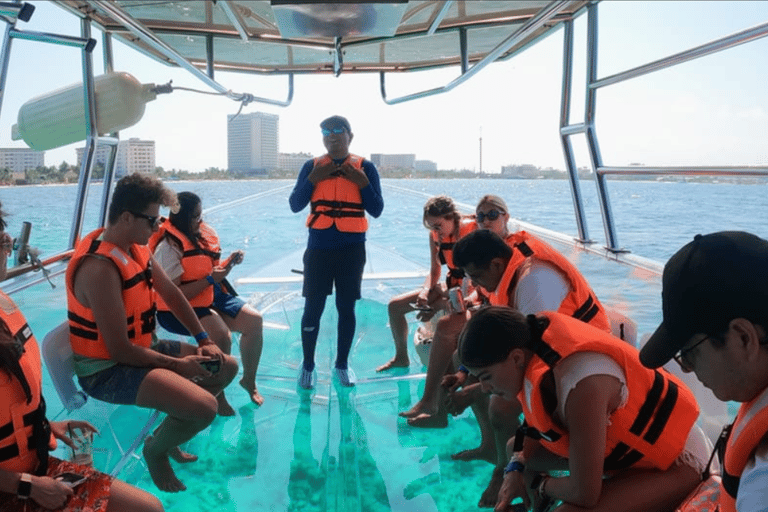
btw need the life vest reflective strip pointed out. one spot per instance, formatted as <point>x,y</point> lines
<point>138,297</point>
<point>650,430</point>
<point>748,430</point>
<point>23,427</point>
<point>580,302</point>
<point>337,201</point>
<point>445,250</point>
<point>197,262</point>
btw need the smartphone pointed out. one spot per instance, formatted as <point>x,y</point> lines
<point>70,479</point>
<point>456,299</point>
<point>212,365</point>
<point>420,308</point>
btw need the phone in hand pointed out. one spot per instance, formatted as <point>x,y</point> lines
<point>70,479</point>
<point>420,308</point>
<point>213,365</point>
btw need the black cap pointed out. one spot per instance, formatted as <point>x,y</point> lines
<point>335,121</point>
<point>706,284</point>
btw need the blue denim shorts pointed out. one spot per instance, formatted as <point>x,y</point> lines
<point>119,384</point>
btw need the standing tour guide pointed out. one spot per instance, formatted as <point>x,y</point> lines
<point>340,188</point>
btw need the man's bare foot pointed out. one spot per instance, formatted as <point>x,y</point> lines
<point>413,411</point>
<point>254,392</point>
<point>479,453</point>
<point>425,420</point>
<point>160,469</point>
<point>395,362</point>
<point>491,493</point>
<point>177,453</point>
<point>224,408</point>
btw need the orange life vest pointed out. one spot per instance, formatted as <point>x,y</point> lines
<point>337,201</point>
<point>197,262</point>
<point>650,430</point>
<point>445,250</point>
<point>580,302</point>
<point>746,433</point>
<point>138,297</point>
<point>22,423</point>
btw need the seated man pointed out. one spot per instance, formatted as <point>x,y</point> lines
<point>715,303</point>
<point>29,476</point>
<point>531,276</point>
<point>111,284</point>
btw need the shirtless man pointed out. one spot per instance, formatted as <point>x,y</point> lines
<point>111,281</point>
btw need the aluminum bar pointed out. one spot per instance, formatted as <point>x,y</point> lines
<point>593,147</point>
<point>565,140</point>
<point>530,26</point>
<point>235,18</point>
<point>685,171</point>
<point>439,18</point>
<point>715,46</point>
<point>45,37</point>
<point>145,35</point>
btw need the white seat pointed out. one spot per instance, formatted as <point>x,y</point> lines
<point>622,326</point>
<point>58,357</point>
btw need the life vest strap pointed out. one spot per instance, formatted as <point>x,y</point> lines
<point>621,457</point>
<point>525,430</point>
<point>335,205</point>
<point>586,311</point>
<point>542,349</point>
<point>145,276</point>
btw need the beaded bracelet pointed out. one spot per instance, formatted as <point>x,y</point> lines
<point>514,465</point>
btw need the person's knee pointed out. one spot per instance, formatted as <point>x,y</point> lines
<point>228,369</point>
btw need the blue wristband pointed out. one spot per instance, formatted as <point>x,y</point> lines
<point>201,336</point>
<point>514,465</point>
<point>463,369</point>
<point>209,279</point>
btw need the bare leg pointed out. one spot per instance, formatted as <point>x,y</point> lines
<point>189,407</point>
<point>127,498</point>
<point>398,307</point>
<point>220,334</point>
<point>440,354</point>
<point>250,324</point>
<point>487,449</point>
<point>504,416</point>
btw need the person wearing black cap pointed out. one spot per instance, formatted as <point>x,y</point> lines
<point>341,188</point>
<point>715,324</point>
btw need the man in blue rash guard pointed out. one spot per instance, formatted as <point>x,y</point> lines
<point>341,188</point>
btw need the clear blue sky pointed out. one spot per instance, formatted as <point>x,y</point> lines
<point>709,112</point>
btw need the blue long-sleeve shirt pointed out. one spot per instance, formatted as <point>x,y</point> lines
<point>332,238</point>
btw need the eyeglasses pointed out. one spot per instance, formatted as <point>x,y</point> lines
<point>491,215</point>
<point>338,131</point>
<point>152,219</point>
<point>682,357</point>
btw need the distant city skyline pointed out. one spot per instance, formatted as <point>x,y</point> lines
<point>695,115</point>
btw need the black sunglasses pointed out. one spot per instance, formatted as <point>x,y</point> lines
<point>151,218</point>
<point>491,215</point>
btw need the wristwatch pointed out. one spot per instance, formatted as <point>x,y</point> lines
<point>25,486</point>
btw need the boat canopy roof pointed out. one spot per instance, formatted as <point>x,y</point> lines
<point>295,36</point>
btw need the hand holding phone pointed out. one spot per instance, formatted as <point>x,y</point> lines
<point>415,305</point>
<point>70,479</point>
<point>213,365</point>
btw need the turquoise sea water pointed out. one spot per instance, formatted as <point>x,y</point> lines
<point>337,450</point>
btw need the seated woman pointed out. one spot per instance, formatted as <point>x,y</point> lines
<point>492,214</point>
<point>189,252</point>
<point>446,225</point>
<point>625,434</point>
<point>27,473</point>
